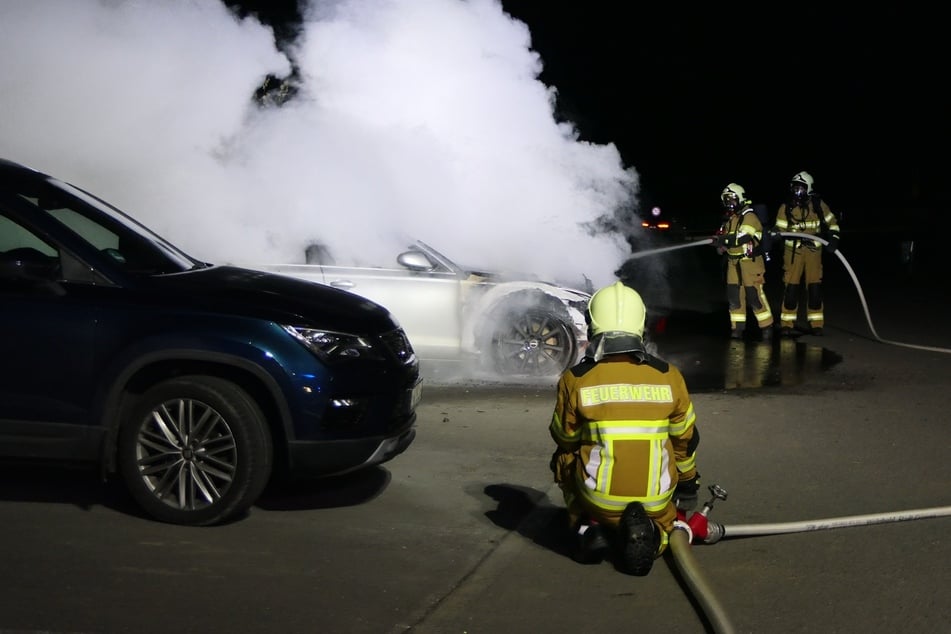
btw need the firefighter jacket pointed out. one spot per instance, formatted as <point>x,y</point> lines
<point>814,217</point>
<point>743,233</point>
<point>630,422</point>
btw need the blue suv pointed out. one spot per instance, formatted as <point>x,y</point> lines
<point>193,382</point>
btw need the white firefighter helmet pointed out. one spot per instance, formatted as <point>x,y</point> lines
<point>802,178</point>
<point>616,316</point>
<point>733,196</point>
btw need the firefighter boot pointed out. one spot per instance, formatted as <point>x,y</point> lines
<point>639,541</point>
<point>591,546</point>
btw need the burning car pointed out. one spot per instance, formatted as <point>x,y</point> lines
<point>512,327</point>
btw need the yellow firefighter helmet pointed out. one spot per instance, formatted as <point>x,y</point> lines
<point>616,316</point>
<point>803,178</point>
<point>801,186</point>
<point>733,196</point>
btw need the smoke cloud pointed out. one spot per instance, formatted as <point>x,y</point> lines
<point>411,120</point>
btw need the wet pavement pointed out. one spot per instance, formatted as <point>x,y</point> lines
<point>710,362</point>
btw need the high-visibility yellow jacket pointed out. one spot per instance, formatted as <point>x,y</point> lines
<point>743,232</point>
<point>806,219</point>
<point>630,425</point>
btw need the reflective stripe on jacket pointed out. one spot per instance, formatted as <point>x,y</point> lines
<point>805,219</point>
<point>743,223</point>
<point>629,424</point>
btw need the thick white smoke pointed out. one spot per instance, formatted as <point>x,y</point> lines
<point>421,119</point>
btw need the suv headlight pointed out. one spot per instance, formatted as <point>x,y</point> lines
<point>334,346</point>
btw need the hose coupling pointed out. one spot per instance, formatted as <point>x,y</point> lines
<point>714,533</point>
<point>684,526</point>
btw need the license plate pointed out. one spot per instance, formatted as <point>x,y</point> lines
<point>415,395</point>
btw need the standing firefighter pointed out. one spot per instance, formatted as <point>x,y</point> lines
<point>805,213</point>
<point>626,440</point>
<point>740,239</point>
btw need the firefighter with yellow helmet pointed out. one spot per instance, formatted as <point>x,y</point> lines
<point>740,239</point>
<point>806,213</point>
<point>626,437</point>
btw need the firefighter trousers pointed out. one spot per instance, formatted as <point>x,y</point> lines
<point>745,279</point>
<point>802,263</point>
<point>564,465</point>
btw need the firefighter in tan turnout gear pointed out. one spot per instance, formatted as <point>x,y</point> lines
<point>626,439</point>
<point>805,213</point>
<point>739,239</point>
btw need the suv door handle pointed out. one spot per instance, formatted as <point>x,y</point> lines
<point>342,284</point>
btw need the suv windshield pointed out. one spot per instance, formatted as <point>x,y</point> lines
<point>130,244</point>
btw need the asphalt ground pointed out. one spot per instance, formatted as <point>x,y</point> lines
<point>465,531</point>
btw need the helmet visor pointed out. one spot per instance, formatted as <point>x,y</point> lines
<point>730,200</point>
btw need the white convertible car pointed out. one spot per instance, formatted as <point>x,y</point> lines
<point>512,327</point>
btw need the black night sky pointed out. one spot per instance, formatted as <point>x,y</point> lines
<point>695,97</point>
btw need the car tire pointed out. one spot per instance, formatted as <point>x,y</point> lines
<point>195,450</point>
<point>535,341</point>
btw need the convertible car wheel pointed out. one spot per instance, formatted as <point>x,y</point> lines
<point>195,450</point>
<point>531,342</point>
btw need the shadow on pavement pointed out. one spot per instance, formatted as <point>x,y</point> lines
<point>81,486</point>
<point>532,515</point>
<point>320,493</point>
<point>77,485</point>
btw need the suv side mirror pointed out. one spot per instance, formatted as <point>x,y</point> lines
<point>28,264</point>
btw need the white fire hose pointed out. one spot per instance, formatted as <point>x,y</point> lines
<point>697,526</point>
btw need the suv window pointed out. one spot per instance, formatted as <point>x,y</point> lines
<point>13,236</point>
<point>133,246</point>
<point>30,254</point>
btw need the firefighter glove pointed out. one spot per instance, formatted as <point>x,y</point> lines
<point>833,244</point>
<point>685,495</point>
<point>720,241</point>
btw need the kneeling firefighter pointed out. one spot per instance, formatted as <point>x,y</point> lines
<point>624,426</point>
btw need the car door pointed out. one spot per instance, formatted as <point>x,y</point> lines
<point>425,299</point>
<point>47,351</point>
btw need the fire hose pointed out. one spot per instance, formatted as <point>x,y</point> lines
<point>845,263</point>
<point>698,527</point>
<point>858,288</point>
